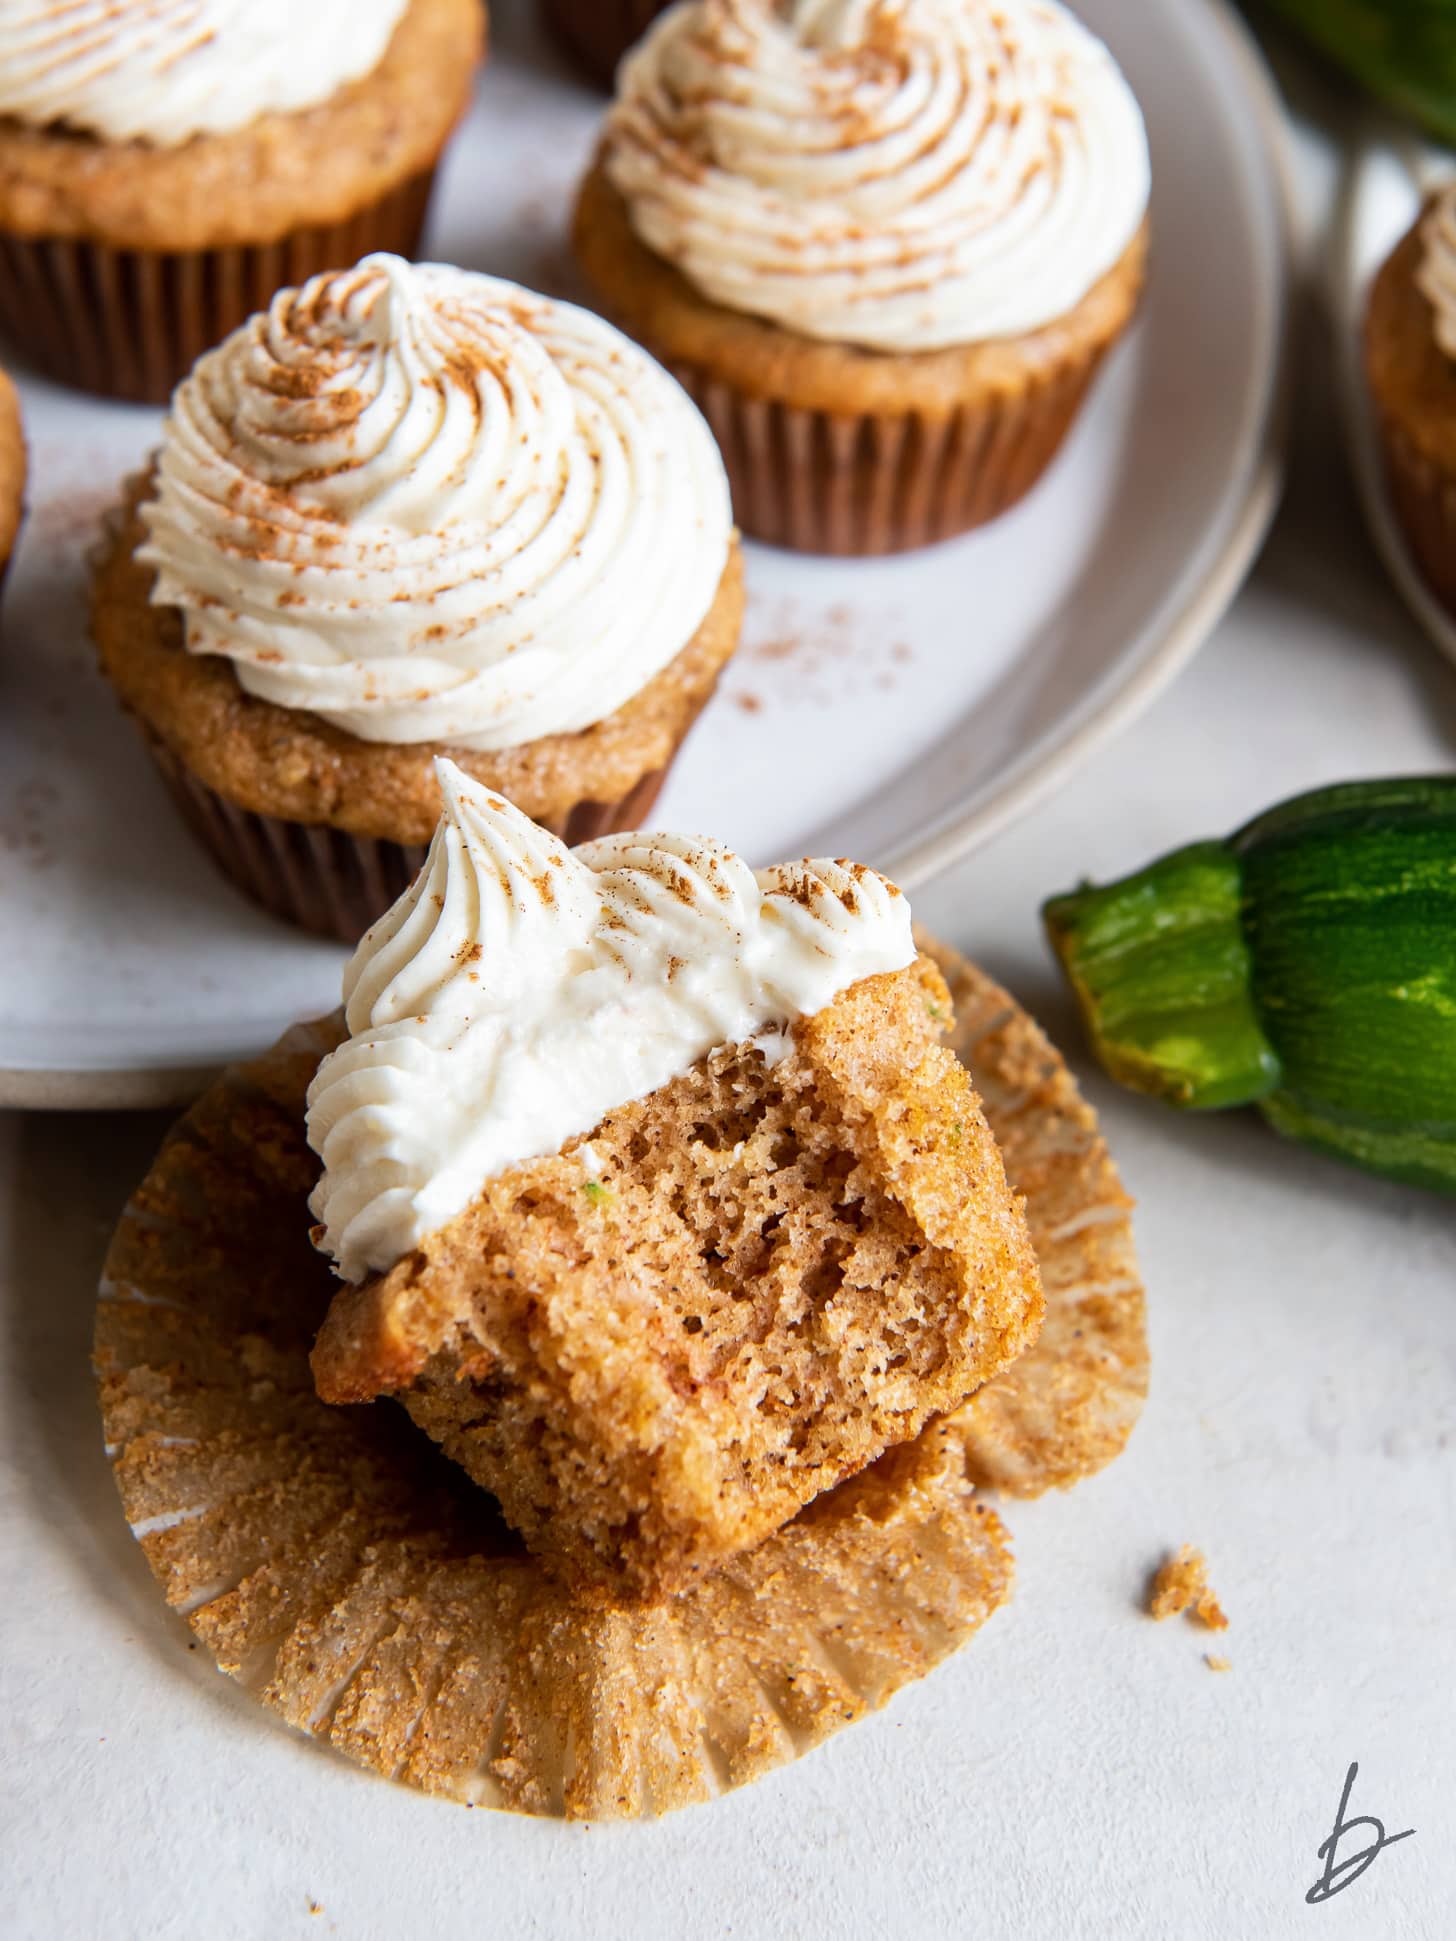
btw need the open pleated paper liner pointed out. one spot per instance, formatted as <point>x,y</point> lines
<point>338,1566</point>
<point>1067,1407</point>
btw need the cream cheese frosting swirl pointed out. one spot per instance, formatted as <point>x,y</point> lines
<point>902,175</point>
<point>519,991</point>
<point>1436,277</point>
<point>162,71</point>
<point>433,506</point>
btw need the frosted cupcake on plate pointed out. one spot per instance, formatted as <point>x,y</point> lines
<point>885,243</point>
<point>411,509</point>
<point>164,168</point>
<point>659,1203</point>
<point>1410,366</point>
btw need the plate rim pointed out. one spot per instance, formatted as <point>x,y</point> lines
<point>122,1088</point>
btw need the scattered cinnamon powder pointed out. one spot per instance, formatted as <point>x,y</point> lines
<point>818,656</point>
<point>1181,1584</point>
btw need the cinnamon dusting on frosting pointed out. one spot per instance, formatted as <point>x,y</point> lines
<point>167,70</point>
<point>422,505</point>
<point>898,174</point>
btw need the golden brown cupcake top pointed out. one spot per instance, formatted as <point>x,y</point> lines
<point>284,763</point>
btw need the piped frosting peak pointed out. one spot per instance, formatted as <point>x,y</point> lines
<point>428,505</point>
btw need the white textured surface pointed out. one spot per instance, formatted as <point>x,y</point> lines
<point>1077,1774</point>
<point>873,706</point>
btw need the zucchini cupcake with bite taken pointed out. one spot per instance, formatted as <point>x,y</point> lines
<point>410,510</point>
<point>659,1203</point>
<point>164,168</point>
<point>886,244</point>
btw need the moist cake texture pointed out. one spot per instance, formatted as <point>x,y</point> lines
<point>656,1345</point>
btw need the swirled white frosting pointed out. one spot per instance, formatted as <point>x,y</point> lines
<point>162,71</point>
<point>902,175</point>
<point>519,991</point>
<point>433,506</point>
<point>1436,276</point>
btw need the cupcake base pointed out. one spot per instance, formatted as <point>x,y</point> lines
<point>854,487</point>
<point>355,1582</point>
<point>327,881</point>
<point>131,323</point>
<point>837,450</point>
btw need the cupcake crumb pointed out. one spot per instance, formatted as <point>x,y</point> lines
<point>1181,1584</point>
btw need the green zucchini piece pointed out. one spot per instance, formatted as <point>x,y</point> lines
<point>1306,965</point>
<point>1161,968</point>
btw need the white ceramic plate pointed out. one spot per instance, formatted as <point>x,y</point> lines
<point>1390,172</point>
<point>898,711</point>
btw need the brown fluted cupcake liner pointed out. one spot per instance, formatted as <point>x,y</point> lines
<point>853,486</point>
<point>1424,500</point>
<point>599,32</point>
<point>353,1581</point>
<point>131,323</point>
<point>328,881</point>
